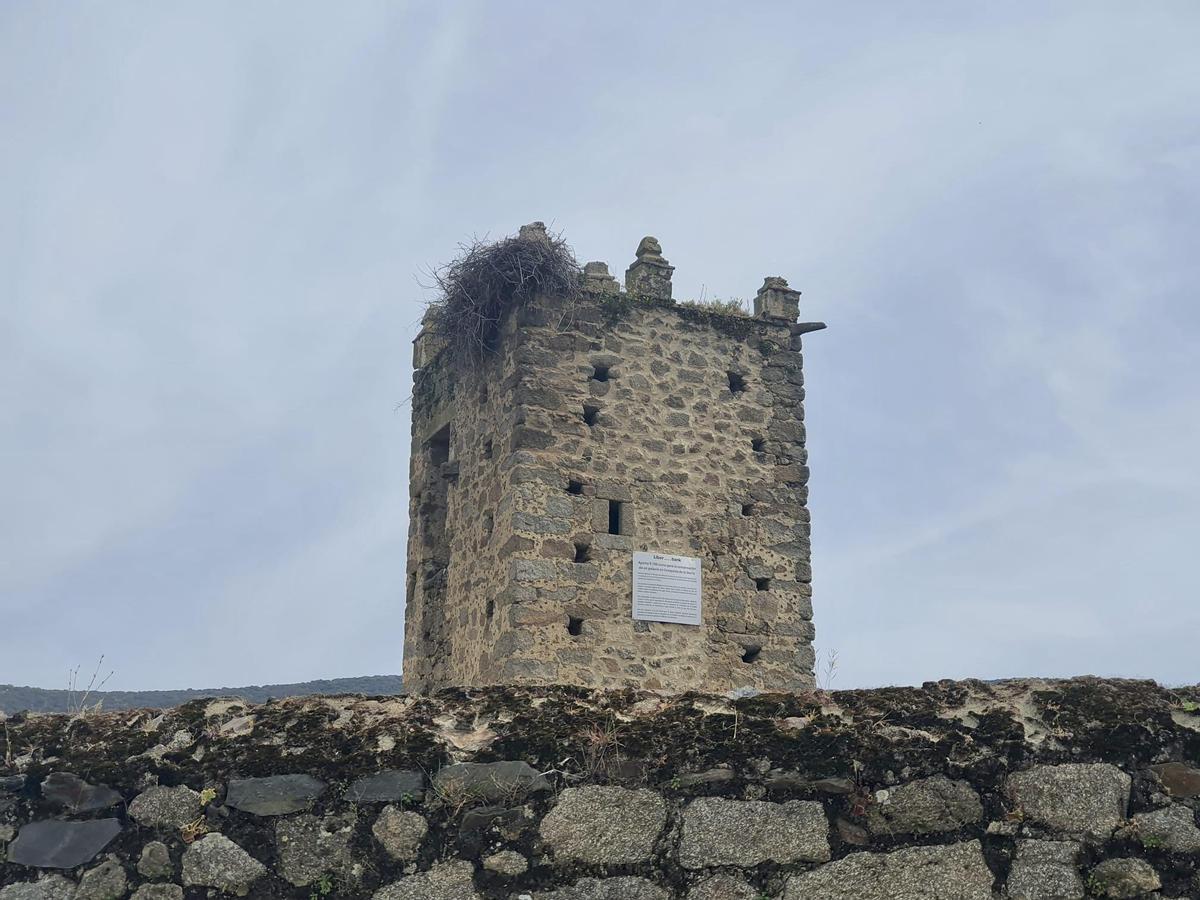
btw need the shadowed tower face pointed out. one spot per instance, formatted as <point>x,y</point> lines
<point>604,433</point>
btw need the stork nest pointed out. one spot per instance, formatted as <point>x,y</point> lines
<point>487,281</point>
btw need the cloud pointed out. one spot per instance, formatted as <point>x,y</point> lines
<point>214,217</point>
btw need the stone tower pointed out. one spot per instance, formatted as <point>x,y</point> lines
<point>614,432</point>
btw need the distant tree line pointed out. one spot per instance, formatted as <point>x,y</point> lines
<point>14,699</point>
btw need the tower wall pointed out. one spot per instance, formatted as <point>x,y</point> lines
<point>680,429</point>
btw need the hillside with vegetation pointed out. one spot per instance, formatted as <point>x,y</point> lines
<point>15,698</point>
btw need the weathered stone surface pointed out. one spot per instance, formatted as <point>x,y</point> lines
<point>392,786</point>
<point>650,274</point>
<point>165,807</point>
<point>310,847</point>
<point>1180,780</point>
<point>496,781</point>
<point>12,784</point>
<point>75,795</point>
<point>180,741</point>
<point>1123,879</point>
<point>720,832</point>
<point>927,806</point>
<point>661,735</point>
<point>52,844</point>
<point>623,888</point>
<point>155,861</point>
<point>778,779</point>
<point>445,881</point>
<point>1074,798</point>
<point>596,277</point>
<point>216,861</point>
<point>51,887</point>
<point>670,415</point>
<point>507,862</point>
<point>1172,828</point>
<point>724,887</point>
<point>605,825</point>
<point>1045,870</point>
<point>775,300</point>
<point>482,817</point>
<point>274,795</point>
<point>948,872</point>
<point>103,882</point>
<point>400,832</point>
<point>158,892</point>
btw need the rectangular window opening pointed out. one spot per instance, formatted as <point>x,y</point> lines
<point>583,552</point>
<point>439,447</point>
<point>574,626</point>
<point>614,516</point>
<point>574,487</point>
<point>762,584</point>
<point>747,509</point>
<point>750,653</point>
<point>600,373</point>
<point>758,445</point>
<point>590,415</point>
<point>737,382</point>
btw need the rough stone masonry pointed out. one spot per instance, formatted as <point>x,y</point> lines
<point>1023,790</point>
<point>603,424</point>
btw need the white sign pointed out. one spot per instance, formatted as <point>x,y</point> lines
<point>666,588</point>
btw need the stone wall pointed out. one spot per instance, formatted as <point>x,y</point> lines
<point>955,791</point>
<point>599,426</point>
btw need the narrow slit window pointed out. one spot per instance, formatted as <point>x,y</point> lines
<point>737,382</point>
<point>762,584</point>
<point>491,608</point>
<point>574,626</point>
<point>590,415</point>
<point>600,373</point>
<point>614,516</point>
<point>574,487</point>
<point>750,653</point>
<point>583,552</point>
<point>758,445</point>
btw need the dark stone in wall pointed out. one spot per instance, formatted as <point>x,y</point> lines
<point>274,795</point>
<point>52,844</point>
<point>490,781</point>
<point>75,795</point>
<point>389,787</point>
<point>1181,780</point>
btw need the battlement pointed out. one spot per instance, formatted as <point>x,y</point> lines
<point>601,432</point>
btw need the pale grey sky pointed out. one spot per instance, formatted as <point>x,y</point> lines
<point>212,216</point>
